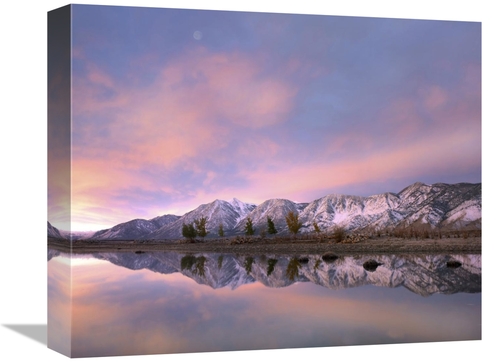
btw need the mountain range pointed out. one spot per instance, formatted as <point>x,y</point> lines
<point>440,204</point>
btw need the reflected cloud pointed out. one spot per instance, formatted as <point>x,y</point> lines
<point>135,309</point>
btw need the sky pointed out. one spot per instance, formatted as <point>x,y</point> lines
<point>173,108</point>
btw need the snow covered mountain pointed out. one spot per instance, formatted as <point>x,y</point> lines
<point>53,232</point>
<point>448,205</point>
<point>276,209</point>
<point>218,212</point>
<point>438,204</point>
<point>135,229</point>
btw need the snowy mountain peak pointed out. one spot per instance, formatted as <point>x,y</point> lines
<point>242,208</point>
<point>240,204</point>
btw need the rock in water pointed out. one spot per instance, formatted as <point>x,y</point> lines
<point>371,265</point>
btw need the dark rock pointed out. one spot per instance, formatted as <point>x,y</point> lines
<point>329,257</point>
<point>453,264</point>
<point>303,260</point>
<point>371,265</point>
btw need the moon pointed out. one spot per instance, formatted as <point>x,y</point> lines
<point>197,35</point>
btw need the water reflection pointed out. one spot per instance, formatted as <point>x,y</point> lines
<point>421,274</point>
<point>163,302</point>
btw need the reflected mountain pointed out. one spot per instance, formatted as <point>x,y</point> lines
<point>52,253</point>
<point>422,274</point>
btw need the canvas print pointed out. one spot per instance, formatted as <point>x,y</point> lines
<point>224,181</point>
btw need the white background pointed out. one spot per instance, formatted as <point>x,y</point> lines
<point>23,175</point>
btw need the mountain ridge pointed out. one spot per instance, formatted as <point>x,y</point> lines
<point>436,205</point>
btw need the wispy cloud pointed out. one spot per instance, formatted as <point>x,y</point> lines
<point>202,108</point>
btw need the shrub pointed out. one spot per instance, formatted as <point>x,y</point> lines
<point>187,262</point>
<point>293,223</point>
<point>249,230</point>
<point>200,266</point>
<point>317,264</point>
<point>271,229</point>
<point>270,266</point>
<point>339,234</point>
<point>188,231</point>
<point>248,264</point>
<point>292,270</point>
<point>201,227</point>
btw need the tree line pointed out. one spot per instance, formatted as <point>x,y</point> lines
<point>199,227</point>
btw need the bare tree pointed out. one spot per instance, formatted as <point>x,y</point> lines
<point>201,227</point>
<point>293,223</point>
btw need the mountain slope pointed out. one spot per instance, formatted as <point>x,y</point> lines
<point>134,229</point>
<point>53,232</point>
<point>438,204</point>
<point>276,209</point>
<point>217,212</point>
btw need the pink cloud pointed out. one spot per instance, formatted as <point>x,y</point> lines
<point>433,111</point>
<point>434,97</point>
<point>345,143</point>
<point>231,86</point>
<point>401,118</point>
<point>198,102</point>
<point>458,152</point>
<point>94,189</point>
<point>98,77</point>
<point>181,112</point>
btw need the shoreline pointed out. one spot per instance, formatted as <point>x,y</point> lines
<point>381,245</point>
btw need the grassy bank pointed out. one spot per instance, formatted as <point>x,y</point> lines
<point>372,245</point>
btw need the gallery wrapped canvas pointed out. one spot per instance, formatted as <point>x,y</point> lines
<point>224,181</point>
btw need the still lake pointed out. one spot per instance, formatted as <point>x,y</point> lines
<point>111,304</point>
